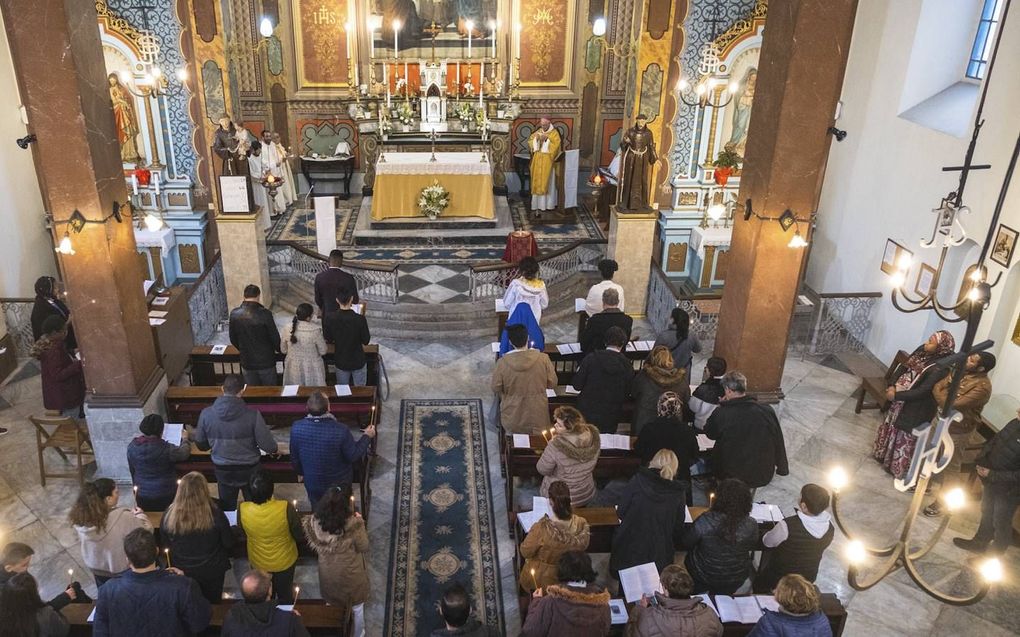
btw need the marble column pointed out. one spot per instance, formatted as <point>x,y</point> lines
<point>243,250</point>
<point>61,75</point>
<point>631,240</point>
<point>800,77</point>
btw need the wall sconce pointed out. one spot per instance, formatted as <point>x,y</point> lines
<point>77,222</point>
<point>786,221</point>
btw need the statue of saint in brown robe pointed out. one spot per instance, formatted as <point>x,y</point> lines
<point>637,150</point>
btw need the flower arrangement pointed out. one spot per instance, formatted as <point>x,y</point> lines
<point>405,113</point>
<point>481,121</point>
<point>433,200</point>
<point>464,113</point>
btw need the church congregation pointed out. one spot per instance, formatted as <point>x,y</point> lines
<point>537,318</point>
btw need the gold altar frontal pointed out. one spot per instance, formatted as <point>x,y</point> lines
<point>400,179</point>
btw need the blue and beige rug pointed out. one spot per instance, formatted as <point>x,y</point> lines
<point>298,225</point>
<point>444,530</point>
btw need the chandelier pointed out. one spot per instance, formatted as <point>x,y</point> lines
<point>708,87</point>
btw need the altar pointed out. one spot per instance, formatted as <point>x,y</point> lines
<point>401,177</point>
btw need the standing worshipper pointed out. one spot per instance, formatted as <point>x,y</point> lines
<point>912,403</point>
<point>63,376</point>
<point>258,191</point>
<point>604,379</point>
<point>593,302</point>
<point>253,332</point>
<point>102,526</point>
<point>304,347</point>
<point>47,303</point>
<point>273,530</point>
<point>152,462</point>
<point>679,341</point>
<point>520,381</point>
<point>348,331</point>
<point>593,337</point>
<point>656,377</point>
<point>796,543</point>
<point>638,150</point>
<point>24,613</point>
<point>330,281</point>
<point>289,185</point>
<point>545,145</point>
<point>709,393</point>
<point>573,607</point>
<point>528,288</point>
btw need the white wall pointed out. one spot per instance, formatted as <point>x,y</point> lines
<point>884,179</point>
<point>943,28</point>
<point>26,250</point>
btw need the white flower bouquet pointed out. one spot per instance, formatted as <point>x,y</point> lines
<point>433,200</point>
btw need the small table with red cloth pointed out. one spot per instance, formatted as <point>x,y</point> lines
<point>519,244</point>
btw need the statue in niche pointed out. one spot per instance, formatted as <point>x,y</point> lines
<point>126,118</point>
<point>637,151</point>
<point>742,112</point>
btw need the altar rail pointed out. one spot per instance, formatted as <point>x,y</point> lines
<point>831,323</point>
<point>376,282</point>
<point>491,281</point>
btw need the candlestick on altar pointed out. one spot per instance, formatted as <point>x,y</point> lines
<point>371,40</point>
<point>432,138</point>
<point>469,25</point>
<point>407,81</point>
<point>492,28</point>
<point>396,39</point>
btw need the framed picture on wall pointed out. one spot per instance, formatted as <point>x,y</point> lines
<point>892,255</point>
<point>1016,331</point>
<point>925,279</point>
<point>1004,245</point>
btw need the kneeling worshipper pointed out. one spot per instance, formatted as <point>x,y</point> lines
<point>545,145</point>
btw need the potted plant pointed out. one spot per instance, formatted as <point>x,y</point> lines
<point>726,162</point>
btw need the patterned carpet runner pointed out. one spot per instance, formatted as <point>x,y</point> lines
<point>443,524</point>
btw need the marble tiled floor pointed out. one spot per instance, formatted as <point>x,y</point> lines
<point>818,421</point>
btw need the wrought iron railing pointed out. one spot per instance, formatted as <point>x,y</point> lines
<point>833,323</point>
<point>18,313</point>
<point>207,301</point>
<point>376,282</point>
<point>842,322</point>
<point>491,281</point>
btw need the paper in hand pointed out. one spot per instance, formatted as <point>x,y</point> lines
<point>639,580</point>
<point>173,432</point>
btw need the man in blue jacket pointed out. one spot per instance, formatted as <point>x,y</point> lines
<point>147,600</point>
<point>323,451</point>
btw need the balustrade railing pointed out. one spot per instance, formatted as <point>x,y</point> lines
<point>376,282</point>
<point>207,301</point>
<point>832,323</point>
<point>18,314</point>
<point>491,281</point>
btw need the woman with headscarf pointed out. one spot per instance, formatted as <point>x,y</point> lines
<point>669,431</point>
<point>682,345</point>
<point>47,304</point>
<point>912,403</point>
<point>657,376</point>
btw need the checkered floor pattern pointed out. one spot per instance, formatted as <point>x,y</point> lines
<point>433,283</point>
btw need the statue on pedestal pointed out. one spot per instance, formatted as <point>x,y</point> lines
<point>637,149</point>
<point>225,145</point>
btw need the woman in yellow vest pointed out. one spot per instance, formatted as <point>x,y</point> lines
<point>272,528</point>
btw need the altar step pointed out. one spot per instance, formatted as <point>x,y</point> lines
<point>428,321</point>
<point>442,231</point>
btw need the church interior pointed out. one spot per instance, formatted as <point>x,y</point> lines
<point>471,176</point>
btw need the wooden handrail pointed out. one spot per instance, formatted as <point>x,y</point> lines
<point>17,299</point>
<point>495,267</point>
<point>353,265</point>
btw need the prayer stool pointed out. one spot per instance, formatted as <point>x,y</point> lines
<point>875,386</point>
<point>63,435</point>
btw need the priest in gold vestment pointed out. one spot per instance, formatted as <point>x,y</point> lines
<point>545,145</point>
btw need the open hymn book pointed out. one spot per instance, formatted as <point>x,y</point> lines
<point>745,609</point>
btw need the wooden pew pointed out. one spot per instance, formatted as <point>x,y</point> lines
<point>318,617</point>
<point>281,470</point>
<point>209,369</point>
<point>184,404</point>
<point>522,463</point>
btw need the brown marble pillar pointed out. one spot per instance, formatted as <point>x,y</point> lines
<point>800,77</point>
<point>62,78</point>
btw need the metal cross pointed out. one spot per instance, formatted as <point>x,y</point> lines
<point>433,30</point>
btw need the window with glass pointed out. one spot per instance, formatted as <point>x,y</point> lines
<point>984,40</point>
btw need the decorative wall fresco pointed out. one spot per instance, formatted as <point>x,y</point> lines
<point>215,100</point>
<point>321,42</point>
<point>612,129</point>
<point>651,91</point>
<point>523,128</point>
<point>322,136</point>
<point>547,41</point>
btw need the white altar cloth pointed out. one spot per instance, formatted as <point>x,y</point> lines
<point>445,164</point>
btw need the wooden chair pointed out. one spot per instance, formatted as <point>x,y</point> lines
<point>875,386</point>
<point>64,435</point>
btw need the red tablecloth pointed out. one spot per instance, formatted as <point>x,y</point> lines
<point>519,244</point>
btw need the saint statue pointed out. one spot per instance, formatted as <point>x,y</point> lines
<point>126,118</point>
<point>742,112</point>
<point>637,149</point>
<point>225,145</point>
<point>545,145</point>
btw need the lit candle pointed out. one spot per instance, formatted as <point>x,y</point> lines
<point>481,91</point>
<point>371,40</point>
<point>135,489</point>
<point>167,553</point>
<point>533,580</point>
<point>155,181</point>
<point>469,25</point>
<point>294,502</point>
<point>711,499</point>
<point>396,39</point>
<point>297,591</point>
<point>70,575</point>
<point>134,184</point>
<point>492,28</point>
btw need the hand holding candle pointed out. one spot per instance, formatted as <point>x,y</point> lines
<point>533,580</point>
<point>297,591</point>
<point>167,553</point>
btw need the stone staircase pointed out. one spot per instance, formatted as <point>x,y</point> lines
<point>429,321</point>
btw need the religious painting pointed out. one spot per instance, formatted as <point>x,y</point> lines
<point>546,42</point>
<point>434,28</point>
<point>651,92</point>
<point>925,280</point>
<point>737,116</point>
<point>1016,331</point>
<point>212,88</point>
<point>322,42</point>
<point>1004,245</point>
<point>892,256</point>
